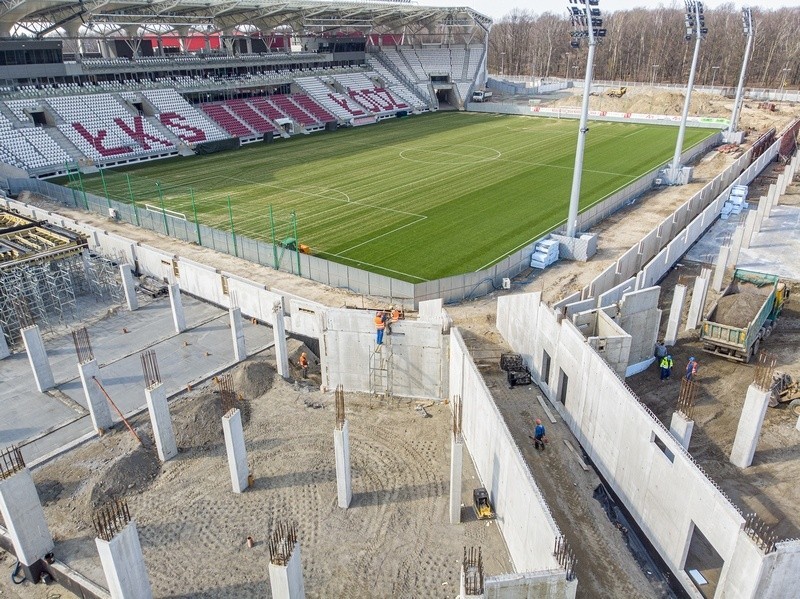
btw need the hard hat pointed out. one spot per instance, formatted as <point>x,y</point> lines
<point>538,421</point>
<point>303,354</point>
<point>691,359</point>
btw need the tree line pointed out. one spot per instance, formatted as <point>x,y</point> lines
<point>648,45</point>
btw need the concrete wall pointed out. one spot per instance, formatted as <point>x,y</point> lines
<point>529,585</point>
<point>666,492</point>
<point>522,513</point>
<point>640,317</point>
<point>418,351</point>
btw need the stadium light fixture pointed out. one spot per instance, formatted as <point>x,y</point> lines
<point>750,31</point>
<point>587,24</point>
<point>695,28</point>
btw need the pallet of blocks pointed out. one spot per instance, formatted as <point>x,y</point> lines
<point>735,202</point>
<point>545,253</point>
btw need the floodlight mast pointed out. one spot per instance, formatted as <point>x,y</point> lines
<point>590,17</point>
<point>695,26</point>
<point>750,31</point>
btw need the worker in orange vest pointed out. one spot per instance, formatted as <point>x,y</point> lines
<point>304,364</point>
<point>379,325</point>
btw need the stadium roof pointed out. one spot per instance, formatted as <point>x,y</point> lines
<point>41,17</point>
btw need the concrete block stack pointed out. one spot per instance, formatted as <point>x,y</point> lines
<point>736,202</point>
<point>545,253</point>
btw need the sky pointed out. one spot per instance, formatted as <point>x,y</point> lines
<point>499,8</point>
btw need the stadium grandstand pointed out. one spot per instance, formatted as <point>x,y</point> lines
<point>97,84</point>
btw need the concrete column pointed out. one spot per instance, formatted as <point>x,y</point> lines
<point>160,420</point>
<point>681,428</point>
<point>341,445</point>
<point>126,270</point>
<point>760,212</point>
<point>177,307</point>
<point>675,312</point>
<point>234,447</point>
<point>123,565</point>
<point>237,332</point>
<point>456,468</point>
<point>4,351</point>
<point>279,332</point>
<point>772,194</point>
<point>95,398</point>
<point>37,356</point>
<point>722,265</point>
<point>286,582</point>
<point>24,518</point>
<point>749,429</point>
<point>462,591</point>
<point>736,246</point>
<point>749,228</point>
<point>780,185</point>
<point>698,300</point>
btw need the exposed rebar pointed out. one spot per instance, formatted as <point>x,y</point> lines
<point>764,371</point>
<point>760,532</point>
<point>282,542</point>
<point>11,461</point>
<point>473,571</point>
<point>83,347</point>
<point>111,519</point>
<point>565,557</point>
<point>227,392</point>
<point>686,397</point>
<point>339,407</point>
<point>152,376</point>
<point>457,416</point>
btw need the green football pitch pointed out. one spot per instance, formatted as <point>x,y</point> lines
<point>418,198</point>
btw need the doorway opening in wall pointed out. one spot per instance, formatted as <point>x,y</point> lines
<point>703,563</point>
<point>563,379</point>
<point>545,368</point>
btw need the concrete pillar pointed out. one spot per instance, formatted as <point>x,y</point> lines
<point>749,429</point>
<point>234,447</point>
<point>760,212</point>
<point>4,351</point>
<point>37,356</point>
<point>456,468</point>
<point>160,420</point>
<point>123,565</point>
<point>681,428</point>
<point>722,265</point>
<point>698,300</point>
<point>279,332</point>
<point>780,189</point>
<point>675,312</point>
<point>95,398</point>
<point>286,582</point>
<point>177,307</point>
<point>749,228</point>
<point>237,332</point>
<point>341,445</point>
<point>462,591</point>
<point>736,246</point>
<point>772,194</point>
<point>126,270</point>
<point>24,518</point>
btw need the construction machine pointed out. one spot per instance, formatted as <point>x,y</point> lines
<point>785,389</point>
<point>617,92</point>
<point>481,504</point>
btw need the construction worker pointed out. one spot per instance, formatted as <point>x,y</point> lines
<point>691,368</point>
<point>666,366</point>
<point>379,326</point>
<point>538,435</point>
<point>387,320</point>
<point>395,314</point>
<point>304,365</point>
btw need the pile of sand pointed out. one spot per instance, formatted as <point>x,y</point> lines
<point>253,379</point>
<point>131,472</point>
<point>738,309</point>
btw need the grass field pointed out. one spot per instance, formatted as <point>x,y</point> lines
<point>418,198</point>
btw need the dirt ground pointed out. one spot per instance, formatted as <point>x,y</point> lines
<point>395,540</point>
<point>605,566</point>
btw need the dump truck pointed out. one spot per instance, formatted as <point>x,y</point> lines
<point>481,95</point>
<point>743,315</point>
<point>617,92</point>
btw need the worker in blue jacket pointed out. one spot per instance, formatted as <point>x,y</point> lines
<point>538,435</point>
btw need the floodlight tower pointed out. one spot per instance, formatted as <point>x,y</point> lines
<point>695,27</point>
<point>586,24</point>
<point>731,135</point>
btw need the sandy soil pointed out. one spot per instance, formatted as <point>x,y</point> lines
<point>394,541</point>
<point>605,566</point>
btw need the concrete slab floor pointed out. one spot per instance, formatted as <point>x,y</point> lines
<point>42,422</point>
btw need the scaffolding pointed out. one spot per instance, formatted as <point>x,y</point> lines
<point>47,292</point>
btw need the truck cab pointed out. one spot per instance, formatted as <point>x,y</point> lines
<point>481,95</point>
